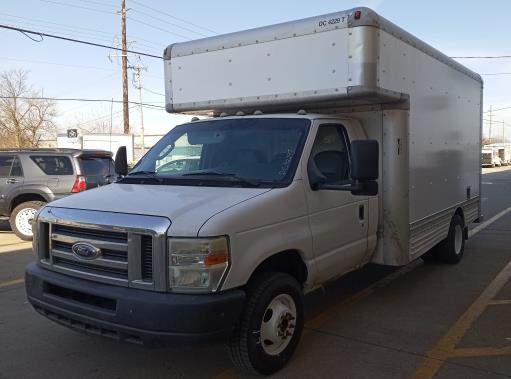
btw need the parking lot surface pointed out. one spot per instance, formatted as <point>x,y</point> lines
<point>419,321</point>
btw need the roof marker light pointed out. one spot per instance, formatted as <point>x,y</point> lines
<point>358,14</point>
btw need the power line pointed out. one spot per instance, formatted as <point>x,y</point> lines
<point>496,110</point>
<point>80,29</point>
<point>154,92</point>
<point>76,40</point>
<point>159,11</point>
<point>113,13</point>
<point>102,117</point>
<point>484,57</point>
<point>150,104</point>
<point>157,27</point>
<point>78,6</point>
<point>67,65</point>
<point>498,73</point>
<point>170,23</point>
<point>98,3</point>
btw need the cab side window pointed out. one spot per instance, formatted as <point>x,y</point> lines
<point>330,154</point>
<point>10,165</point>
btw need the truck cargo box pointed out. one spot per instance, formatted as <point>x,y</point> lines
<point>422,106</point>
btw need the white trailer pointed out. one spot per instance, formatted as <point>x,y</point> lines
<point>339,140</point>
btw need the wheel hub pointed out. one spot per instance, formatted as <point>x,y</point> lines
<point>278,324</point>
<point>23,220</point>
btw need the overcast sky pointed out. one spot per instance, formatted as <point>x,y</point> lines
<point>62,69</point>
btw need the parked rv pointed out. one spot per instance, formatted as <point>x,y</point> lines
<point>336,141</point>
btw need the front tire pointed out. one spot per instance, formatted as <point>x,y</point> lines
<point>271,324</point>
<point>21,218</point>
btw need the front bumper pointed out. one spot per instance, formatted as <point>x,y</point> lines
<point>140,316</point>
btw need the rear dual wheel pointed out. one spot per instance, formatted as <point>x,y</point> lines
<point>451,249</point>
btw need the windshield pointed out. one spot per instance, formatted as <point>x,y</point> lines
<point>262,152</point>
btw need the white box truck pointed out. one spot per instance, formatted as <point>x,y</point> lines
<point>490,157</point>
<point>337,141</point>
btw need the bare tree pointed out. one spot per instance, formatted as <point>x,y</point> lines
<point>23,119</point>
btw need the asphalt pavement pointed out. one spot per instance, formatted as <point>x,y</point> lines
<point>420,321</point>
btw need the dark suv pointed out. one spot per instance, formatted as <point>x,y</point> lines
<point>30,178</point>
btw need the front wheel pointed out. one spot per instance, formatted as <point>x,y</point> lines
<point>271,325</point>
<point>21,219</point>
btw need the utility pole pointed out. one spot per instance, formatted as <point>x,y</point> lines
<point>489,134</point>
<point>125,111</point>
<point>138,85</point>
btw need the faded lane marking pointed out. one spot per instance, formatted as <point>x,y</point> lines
<point>499,302</point>
<point>228,374</point>
<point>446,347</point>
<point>487,223</point>
<point>12,282</point>
<point>480,352</point>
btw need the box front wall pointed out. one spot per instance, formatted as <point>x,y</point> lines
<point>445,124</point>
<point>306,66</point>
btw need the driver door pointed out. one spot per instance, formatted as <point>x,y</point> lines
<point>338,219</point>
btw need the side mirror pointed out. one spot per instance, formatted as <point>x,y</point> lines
<point>364,167</point>
<point>364,160</point>
<point>121,161</point>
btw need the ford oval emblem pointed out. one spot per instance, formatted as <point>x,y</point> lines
<point>85,251</point>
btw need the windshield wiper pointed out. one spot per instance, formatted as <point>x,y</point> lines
<point>149,173</point>
<point>251,183</point>
<point>142,177</point>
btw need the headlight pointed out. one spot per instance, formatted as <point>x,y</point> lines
<point>197,264</point>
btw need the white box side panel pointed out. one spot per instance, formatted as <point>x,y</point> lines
<point>293,65</point>
<point>110,143</point>
<point>445,124</point>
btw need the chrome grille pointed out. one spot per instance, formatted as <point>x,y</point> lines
<point>113,261</point>
<point>147,258</point>
<point>97,234</point>
<point>126,253</point>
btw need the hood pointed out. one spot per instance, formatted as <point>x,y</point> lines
<point>186,207</point>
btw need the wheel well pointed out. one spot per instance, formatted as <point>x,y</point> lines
<point>24,198</point>
<point>289,261</point>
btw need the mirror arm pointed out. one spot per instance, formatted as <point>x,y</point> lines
<point>336,187</point>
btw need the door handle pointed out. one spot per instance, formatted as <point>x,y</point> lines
<point>11,181</point>
<point>361,212</point>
